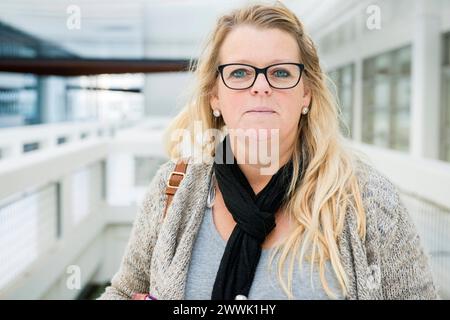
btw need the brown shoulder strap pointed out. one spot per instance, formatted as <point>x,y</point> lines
<point>174,181</point>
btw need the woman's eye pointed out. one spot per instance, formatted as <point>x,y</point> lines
<point>239,73</point>
<point>281,73</point>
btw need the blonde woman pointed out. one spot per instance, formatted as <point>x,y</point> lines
<point>323,225</point>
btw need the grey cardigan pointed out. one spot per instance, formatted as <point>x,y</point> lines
<point>389,264</point>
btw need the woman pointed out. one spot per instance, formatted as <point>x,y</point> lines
<point>232,232</point>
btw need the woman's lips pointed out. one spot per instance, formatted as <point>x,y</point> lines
<point>261,110</point>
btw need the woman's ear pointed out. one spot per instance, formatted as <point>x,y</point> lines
<point>306,95</point>
<point>214,100</point>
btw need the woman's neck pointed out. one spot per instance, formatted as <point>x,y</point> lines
<point>254,171</point>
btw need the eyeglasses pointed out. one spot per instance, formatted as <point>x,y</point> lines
<point>239,76</point>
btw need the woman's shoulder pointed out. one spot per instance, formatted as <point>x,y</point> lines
<point>162,175</point>
<point>383,205</point>
<point>154,195</point>
<point>375,185</point>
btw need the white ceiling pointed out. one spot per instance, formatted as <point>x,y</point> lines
<point>136,28</point>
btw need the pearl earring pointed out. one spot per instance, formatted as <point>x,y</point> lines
<point>216,113</point>
<point>305,110</point>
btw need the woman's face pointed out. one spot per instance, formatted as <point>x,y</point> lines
<point>261,48</point>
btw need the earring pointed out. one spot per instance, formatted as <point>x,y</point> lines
<point>216,113</point>
<point>305,110</point>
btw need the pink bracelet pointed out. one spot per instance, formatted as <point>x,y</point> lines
<point>143,296</point>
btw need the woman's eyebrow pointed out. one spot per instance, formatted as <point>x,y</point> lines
<point>269,63</point>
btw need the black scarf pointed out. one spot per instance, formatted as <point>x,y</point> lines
<point>255,218</point>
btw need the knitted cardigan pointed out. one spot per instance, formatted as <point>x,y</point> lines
<point>389,264</point>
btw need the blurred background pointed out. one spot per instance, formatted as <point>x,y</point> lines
<point>86,88</point>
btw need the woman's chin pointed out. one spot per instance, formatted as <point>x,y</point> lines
<point>258,132</point>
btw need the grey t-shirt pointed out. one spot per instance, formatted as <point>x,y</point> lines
<point>207,253</point>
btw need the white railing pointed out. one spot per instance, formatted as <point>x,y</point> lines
<point>28,228</point>
<point>54,210</point>
<point>41,137</point>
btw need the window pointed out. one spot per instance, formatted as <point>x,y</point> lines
<point>61,140</point>
<point>32,146</point>
<point>341,36</point>
<point>386,99</point>
<point>344,80</point>
<point>18,100</point>
<point>445,124</point>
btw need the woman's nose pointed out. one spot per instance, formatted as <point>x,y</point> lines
<point>261,85</point>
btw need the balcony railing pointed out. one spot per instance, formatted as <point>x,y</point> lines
<point>57,204</point>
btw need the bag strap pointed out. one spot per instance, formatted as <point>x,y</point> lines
<point>174,181</point>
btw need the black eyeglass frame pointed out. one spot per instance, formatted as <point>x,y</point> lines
<point>260,70</point>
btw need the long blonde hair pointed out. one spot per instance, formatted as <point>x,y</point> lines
<point>329,189</point>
